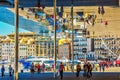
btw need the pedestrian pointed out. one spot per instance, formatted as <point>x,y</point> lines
<point>100,67</point>
<point>57,69</point>
<point>38,68</point>
<point>52,67</point>
<point>89,72</point>
<point>43,67</point>
<point>85,68</point>
<point>103,67</point>
<point>61,68</point>
<point>27,67</point>
<point>32,69</point>
<point>10,70</point>
<point>2,70</point>
<point>78,67</point>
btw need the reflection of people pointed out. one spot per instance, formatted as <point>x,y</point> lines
<point>78,67</point>
<point>61,68</point>
<point>2,70</point>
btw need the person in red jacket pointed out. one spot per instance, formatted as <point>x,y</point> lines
<point>38,68</point>
<point>61,68</point>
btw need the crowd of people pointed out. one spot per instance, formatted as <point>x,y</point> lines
<point>61,68</point>
<point>87,69</point>
<point>37,68</point>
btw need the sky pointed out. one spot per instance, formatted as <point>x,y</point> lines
<point>6,29</point>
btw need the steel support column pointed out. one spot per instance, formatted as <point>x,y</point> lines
<point>16,40</point>
<point>54,38</point>
<point>72,37</point>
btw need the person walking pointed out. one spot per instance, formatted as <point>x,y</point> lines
<point>43,67</point>
<point>32,69</point>
<point>100,67</point>
<point>2,70</point>
<point>57,69</point>
<point>10,70</point>
<point>78,68</point>
<point>61,68</point>
<point>85,68</point>
<point>89,72</point>
<point>38,68</point>
<point>103,67</point>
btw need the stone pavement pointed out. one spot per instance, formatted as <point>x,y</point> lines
<point>67,76</point>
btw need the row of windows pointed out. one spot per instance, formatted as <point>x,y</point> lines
<point>7,50</point>
<point>22,56</point>
<point>7,53</point>
<point>64,52</point>
<point>30,53</point>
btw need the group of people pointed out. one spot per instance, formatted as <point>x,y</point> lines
<point>87,68</point>
<point>11,71</point>
<point>37,68</point>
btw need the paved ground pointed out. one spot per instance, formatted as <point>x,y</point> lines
<point>67,76</point>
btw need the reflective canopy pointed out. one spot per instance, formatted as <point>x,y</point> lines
<point>37,3</point>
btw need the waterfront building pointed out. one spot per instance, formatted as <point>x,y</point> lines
<point>64,48</point>
<point>31,44</point>
<point>7,49</point>
<point>24,34</point>
<point>45,47</point>
<point>81,41</point>
<point>27,47</point>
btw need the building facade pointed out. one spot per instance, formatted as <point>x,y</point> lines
<point>64,50</point>
<point>106,47</point>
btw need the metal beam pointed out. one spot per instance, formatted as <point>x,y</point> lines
<point>54,38</point>
<point>72,37</point>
